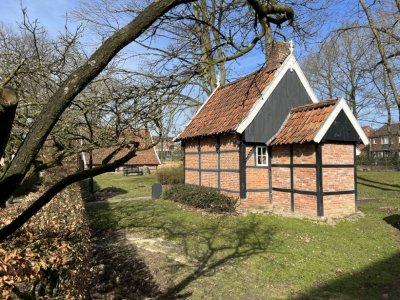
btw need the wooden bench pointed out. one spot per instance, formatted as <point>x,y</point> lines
<point>132,170</point>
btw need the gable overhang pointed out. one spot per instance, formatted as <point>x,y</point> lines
<point>291,64</point>
<point>341,106</point>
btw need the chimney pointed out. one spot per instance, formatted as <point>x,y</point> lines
<point>277,52</point>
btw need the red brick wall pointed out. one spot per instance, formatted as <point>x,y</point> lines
<point>338,179</point>
<point>305,205</point>
<point>229,161</point>
<point>333,179</point>
<point>257,178</point>
<point>339,205</point>
<point>281,201</point>
<point>337,154</point>
<point>191,177</point>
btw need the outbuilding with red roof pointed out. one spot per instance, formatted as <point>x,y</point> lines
<point>267,140</point>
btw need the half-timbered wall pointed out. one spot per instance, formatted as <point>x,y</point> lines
<point>257,181</point>
<point>314,180</point>
<point>213,161</point>
<point>307,179</point>
<point>338,179</point>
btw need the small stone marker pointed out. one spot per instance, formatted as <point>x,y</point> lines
<point>156,191</point>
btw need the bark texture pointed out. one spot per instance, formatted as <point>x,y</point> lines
<point>71,87</point>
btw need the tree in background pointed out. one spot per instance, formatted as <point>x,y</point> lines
<point>61,98</point>
<point>360,61</point>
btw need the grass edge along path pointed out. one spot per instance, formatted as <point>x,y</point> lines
<point>266,256</point>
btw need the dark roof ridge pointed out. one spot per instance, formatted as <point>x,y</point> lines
<point>312,106</point>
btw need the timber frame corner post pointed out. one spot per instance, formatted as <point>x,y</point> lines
<point>242,167</point>
<point>320,200</point>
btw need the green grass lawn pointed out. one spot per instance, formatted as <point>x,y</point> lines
<point>130,186</point>
<point>271,257</point>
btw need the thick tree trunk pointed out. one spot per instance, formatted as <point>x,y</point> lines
<point>8,106</point>
<point>71,87</point>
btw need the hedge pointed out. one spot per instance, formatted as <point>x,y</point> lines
<point>201,197</point>
<point>170,175</point>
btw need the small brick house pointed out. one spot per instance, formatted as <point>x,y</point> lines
<point>266,140</point>
<point>146,157</point>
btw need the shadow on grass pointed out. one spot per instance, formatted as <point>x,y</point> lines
<point>378,184</point>
<point>118,272</point>
<point>209,247</point>
<point>393,220</point>
<point>381,280</point>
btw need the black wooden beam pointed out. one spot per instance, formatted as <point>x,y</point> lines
<point>312,166</point>
<point>320,198</point>
<point>213,170</point>
<point>355,176</point>
<point>199,151</point>
<point>291,178</point>
<point>294,191</point>
<point>257,190</point>
<point>218,146</point>
<point>270,173</point>
<point>184,161</point>
<point>242,168</point>
<point>211,152</point>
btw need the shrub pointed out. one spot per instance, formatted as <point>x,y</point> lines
<point>201,197</point>
<point>170,175</point>
<point>48,258</point>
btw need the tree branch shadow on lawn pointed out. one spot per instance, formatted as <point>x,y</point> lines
<point>246,242</point>
<point>211,252</point>
<point>376,184</point>
<point>380,280</point>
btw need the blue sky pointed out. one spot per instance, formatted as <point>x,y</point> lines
<point>52,13</point>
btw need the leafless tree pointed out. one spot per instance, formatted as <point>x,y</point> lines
<point>70,81</point>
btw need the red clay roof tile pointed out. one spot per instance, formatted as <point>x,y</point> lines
<point>143,157</point>
<point>303,123</point>
<point>230,103</point>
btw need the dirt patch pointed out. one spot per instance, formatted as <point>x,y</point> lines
<point>128,265</point>
<point>158,246</point>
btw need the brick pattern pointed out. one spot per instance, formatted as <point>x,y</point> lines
<point>281,201</point>
<point>305,179</point>
<point>280,154</point>
<point>257,178</point>
<point>255,200</point>
<point>281,178</point>
<point>337,179</point>
<point>334,179</point>
<point>250,156</point>
<point>209,179</point>
<point>337,154</point>
<point>305,205</point>
<point>304,153</point>
<point>230,181</point>
<point>229,161</point>
<point>192,177</point>
<point>339,205</point>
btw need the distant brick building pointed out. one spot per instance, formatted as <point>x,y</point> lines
<point>266,140</point>
<point>146,157</point>
<point>382,146</point>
